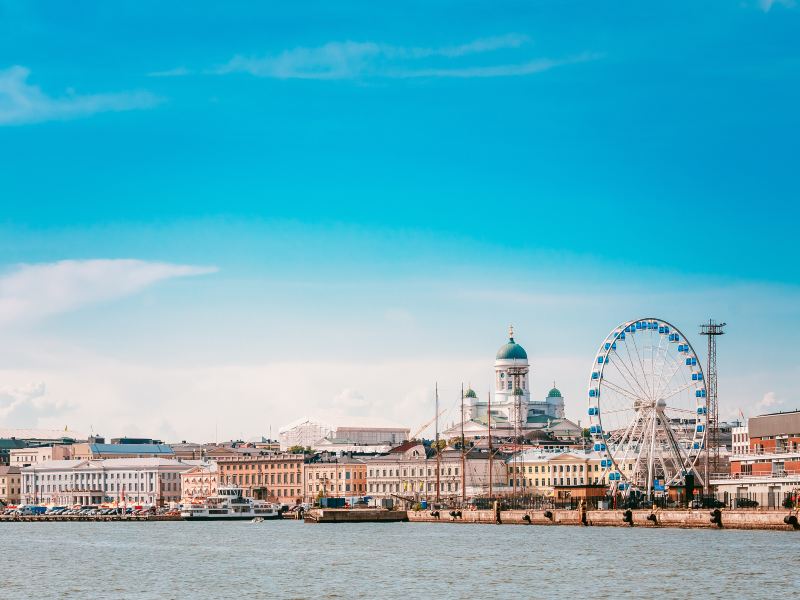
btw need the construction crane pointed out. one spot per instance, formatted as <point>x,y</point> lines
<point>427,424</point>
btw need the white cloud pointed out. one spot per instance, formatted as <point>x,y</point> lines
<point>24,406</point>
<point>176,72</point>
<point>31,292</point>
<point>512,70</point>
<point>770,400</point>
<point>766,5</point>
<point>353,60</point>
<point>21,102</point>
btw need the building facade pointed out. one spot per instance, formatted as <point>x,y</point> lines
<point>513,412</point>
<point>262,474</point>
<point>303,432</point>
<point>740,440</point>
<point>10,484</point>
<point>199,482</point>
<point>25,457</point>
<point>94,451</point>
<point>342,477</point>
<point>409,473</point>
<point>122,481</point>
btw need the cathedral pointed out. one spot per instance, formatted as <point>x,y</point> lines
<point>512,410</point>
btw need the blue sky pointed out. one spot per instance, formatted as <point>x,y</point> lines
<point>322,209</point>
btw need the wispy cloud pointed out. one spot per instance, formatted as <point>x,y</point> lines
<point>176,72</point>
<point>32,292</point>
<point>770,400</point>
<point>21,102</point>
<point>355,60</point>
<point>766,5</point>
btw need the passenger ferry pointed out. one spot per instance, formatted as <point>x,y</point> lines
<point>230,505</point>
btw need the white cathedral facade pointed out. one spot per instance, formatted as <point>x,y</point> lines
<point>512,409</point>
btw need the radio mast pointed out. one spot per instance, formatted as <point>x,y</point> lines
<point>712,329</point>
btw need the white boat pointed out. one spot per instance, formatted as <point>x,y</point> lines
<point>229,504</point>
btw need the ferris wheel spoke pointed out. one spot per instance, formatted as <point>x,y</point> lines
<point>671,393</point>
<point>666,382</point>
<point>622,391</point>
<point>645,383</point>
<point>662,363</point>
<point>629,370</point>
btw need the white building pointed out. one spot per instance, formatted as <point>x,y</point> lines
<point>346,438</point>
<point>303,432</point>
<point>145,481</point>
<point>740,440</point>
<point>513,411</point>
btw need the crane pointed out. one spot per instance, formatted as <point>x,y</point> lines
<point>426,425</point>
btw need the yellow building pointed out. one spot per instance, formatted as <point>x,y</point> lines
<point>10,484</point>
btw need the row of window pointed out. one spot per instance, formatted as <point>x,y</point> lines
<point>412,486</point>
<point>523,482</point>
<point>413,472</point>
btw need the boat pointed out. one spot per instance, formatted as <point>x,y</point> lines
<point>230,504</point>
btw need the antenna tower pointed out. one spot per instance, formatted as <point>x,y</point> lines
<point>712,329</point>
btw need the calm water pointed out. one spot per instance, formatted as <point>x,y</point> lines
<point>400,560</point>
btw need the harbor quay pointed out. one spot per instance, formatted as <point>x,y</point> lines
<point>508,459</point>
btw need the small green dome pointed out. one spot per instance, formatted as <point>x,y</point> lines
<point>554,393</point>
<point>511,350</point>
<point>470,393</point>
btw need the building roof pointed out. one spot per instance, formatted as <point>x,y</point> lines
<point>511,350</point>
<point>4,470</point>
<point>774,424</point>
<point>554,393</point>
<point>470,393</point>
<point>41,434</point>
<point>107,463</point>
<point>161,449</point>
<point>405,447</point>
<point>6,444</point>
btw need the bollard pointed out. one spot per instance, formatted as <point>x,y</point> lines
<point>526,518</point>
<point>627,517</point>
<point>791,520</point>
<point>716,517</point>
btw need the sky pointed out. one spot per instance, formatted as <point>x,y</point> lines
<point>217,220</point>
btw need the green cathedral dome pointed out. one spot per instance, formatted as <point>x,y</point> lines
<point>511,350</point>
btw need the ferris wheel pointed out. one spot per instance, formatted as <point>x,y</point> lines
<point>647,406</point>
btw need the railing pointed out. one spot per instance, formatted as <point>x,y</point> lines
<point>750,476</point>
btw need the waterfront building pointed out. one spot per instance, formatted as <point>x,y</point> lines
<point>6,447</point>
<point>10,483</point>
<point>303,432</point>
<point>541,473</point>
<point>408,472</point>
<point>199,482</point>
<point>96,451</point>
<point>513,410</point>
<point>262,474</point>
<point>340,477</point>
<point>338,446</point>
<point>776,432</point>
<point>150,481</point>
<point>31,455</point>
<point>311,434</point>
<point>740,440</point>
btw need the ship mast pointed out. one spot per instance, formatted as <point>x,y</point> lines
<point>463,453</point>
<point>438,458</point>
<point>489,414</point>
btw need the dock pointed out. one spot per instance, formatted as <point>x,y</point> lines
<point>355,515</point>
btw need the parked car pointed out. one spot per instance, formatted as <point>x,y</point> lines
<point>745,503</point>
<point>708,503</point>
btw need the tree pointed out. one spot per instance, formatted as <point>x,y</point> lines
<point>296,450</point>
